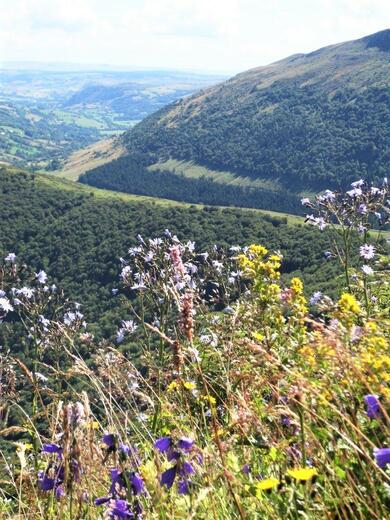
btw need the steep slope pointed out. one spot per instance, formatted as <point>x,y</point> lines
<point>78,234</point>
<point>304,123</point>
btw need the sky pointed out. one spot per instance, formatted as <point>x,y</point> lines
<point>223,36</point>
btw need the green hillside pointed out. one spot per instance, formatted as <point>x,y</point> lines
<point>299,125</point>
<point>78,234</point>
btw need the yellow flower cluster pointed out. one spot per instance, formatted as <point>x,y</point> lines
<point>374,358</point>
<point>348,305</point>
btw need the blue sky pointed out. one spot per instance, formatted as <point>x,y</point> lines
<point>211,35</point>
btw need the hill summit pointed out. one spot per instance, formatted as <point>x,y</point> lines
<point>304,123</point>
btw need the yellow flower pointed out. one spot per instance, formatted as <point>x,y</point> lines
<point>266,485</point>
<point>172,386</point>
<point>348,303</point>
<point>302,474</point>
<point>297,285</point>
<point>188,385</point>
<point>258,336</point>
<point>258,250</point>
<point>210,399</point>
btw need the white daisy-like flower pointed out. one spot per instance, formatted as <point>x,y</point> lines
<point>367,251</point>
<point>11,257</point>
<point>41,276</point>
<point>5,305</point>
<point>367,270</point>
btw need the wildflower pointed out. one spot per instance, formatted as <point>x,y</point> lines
<point>348,303</point>
<point>267,484</point>
<point>129,326</point>
<point>328,254</point>
<point>60,492</point>
<point>185,444</point>
<point>302,474</point>
<point>45,483</point>
<point>246,469</point>
<point>367,270</point>
<point>372,405</point>
<point>194,353</point>
<point>382,456</point>
<point>51,448</point>
<point>316,298</point>
<point>120,336</point>
<point>356,192</point>
<point>41,276</point>
<point>5,305</point>
<point>328,196</point>
<point>11,257</point>
<point>168,477</point>
<point>119,509</point>
<point>126,271</point>
<point>110,440</point>
<point>305,201</point>
<point>367,251</point>
<point>27,292</point>
<point>358,184</point>
<point>362,209</point>
<point>163,444</point>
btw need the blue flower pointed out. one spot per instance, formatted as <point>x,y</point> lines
<point>168,477</point>
<point>163,444</point>
<point>51,448</point>
<point>382,456</point>
<point>372,405</point>
<point>109,439</point>
<point>45,483</point>
<point>119,509</point>
<point>102,500</point>
<point>183,487</point>
<point>185,444</point>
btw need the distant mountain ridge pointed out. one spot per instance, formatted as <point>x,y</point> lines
<point>304,123</point>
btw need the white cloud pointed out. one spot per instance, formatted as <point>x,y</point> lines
<point>192,34</point>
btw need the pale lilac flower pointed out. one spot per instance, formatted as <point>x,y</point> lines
<point>362,209</point>
<point>235,249</point>
<point>11,257</point>
<point>45,322</point>
<point>367,270</point>
<point>2,293</point>
<point>27,292</point>
<point>194,352</point>
<point>126,271</point>
<point>375,191</point>
<point>356,192</point>
<point>5,305</point>
<point>361,229</point>
<point>129,326</point>
<point>316,298</point>
<point>120,336</point>
<point>328,196</point>
<point>358,184</point>
<point>41,276</point>
<point>149,257</point>
<point>367,251</point>
<point>69,318</point>
<point>305,201</point>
